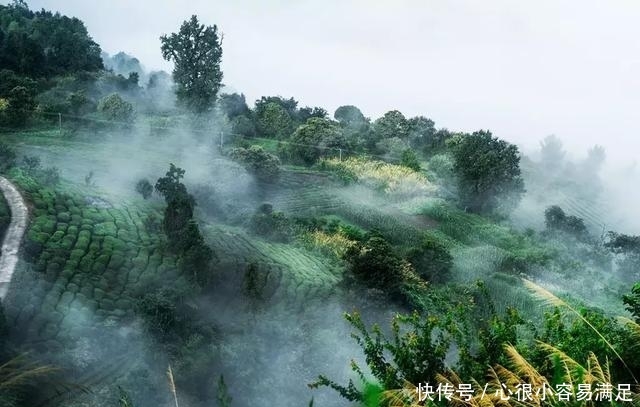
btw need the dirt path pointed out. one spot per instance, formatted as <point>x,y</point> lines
<point>13,237</point>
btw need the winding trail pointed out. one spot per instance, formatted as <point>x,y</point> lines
<point>13,237</point>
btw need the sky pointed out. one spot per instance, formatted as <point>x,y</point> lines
<point>523,70</point>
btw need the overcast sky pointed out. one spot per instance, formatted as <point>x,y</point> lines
<point>523,70</point>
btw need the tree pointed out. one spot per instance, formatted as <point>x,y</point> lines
<point>273,120</point>
<point>196,51</point>
<point>409,159</point>
<point>551,153</point>
<point>555,219</point>
<point>488,171</point>
<point>256,160</point>
<point>315,138</point>
<point>144,188</point>
<point>375,262</point>
<point>392,124</point>
<point>356,127</point>
<point>180,203</point>
<point>306,113</point>
<point>349,116</point>
<point>114,108</point>
<point>181,229</point>
<point>233,105</point>
<point>21,106</point>
<point>421,132</point>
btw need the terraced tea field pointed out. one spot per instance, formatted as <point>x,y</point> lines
<point>85,255</point>
<point>290,275</point>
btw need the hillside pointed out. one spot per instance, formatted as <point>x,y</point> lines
<point>177,232</point>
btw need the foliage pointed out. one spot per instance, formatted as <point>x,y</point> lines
<point>233,105</point>
<point>392,147</point>
<point>273,120</point>
<point>144,188</point>
<point>316,138</point>
<point>505,382</point>
<point>43,43</point>
<point>181,229</point>
<point>556,220</point>
<point>7,157</point>
<point>627,248</point>
<point>488,171</point>
<point>410,160</point>
<point>421,133</point>
<point>196,51</point>
<point>21,105</point>
<point>431,260</point>
<point>306,113</point>
<point>114,108</point>
<point>242,125</point>
<point>271,224</point>
<point>415,353</point>
<point>164,312</point>
<point>375,262</point>
<point>349,116</point>
<point>588,322</point>
<point>632,301</point>
<point>391,124</point>
<point>391,179</point>
<point>336,244</point>
<point>265,166</point>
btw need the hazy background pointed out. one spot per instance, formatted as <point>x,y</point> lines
<point>522,69</point>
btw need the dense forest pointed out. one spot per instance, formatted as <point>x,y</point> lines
<point>187,247</point>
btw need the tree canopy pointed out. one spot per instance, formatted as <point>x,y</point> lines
<point>196,51</point>
<point>488,171</point>
<point>44,44</point>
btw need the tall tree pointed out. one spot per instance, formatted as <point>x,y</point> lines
<point>196,51</point>
<point>488,171</point>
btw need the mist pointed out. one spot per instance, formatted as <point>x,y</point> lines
<point>105,294</point>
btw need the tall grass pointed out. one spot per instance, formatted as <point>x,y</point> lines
<point>391,179</point>
<point>518,370</point>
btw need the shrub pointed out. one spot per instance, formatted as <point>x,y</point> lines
<point>432,260</point>
<point>114,108</point>
<point>409,159</point>
<point>256,160</point>
<point>271,224</point>
<point>375,263</point>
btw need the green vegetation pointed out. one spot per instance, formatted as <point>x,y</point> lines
<point>260,163</point>
<point>389,215</point>
<point>488,171</point>
<point>198,79</point>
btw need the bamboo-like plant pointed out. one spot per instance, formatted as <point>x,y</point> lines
<point>551,299</point>
<point>19,371</point>
<point>519,371</point>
